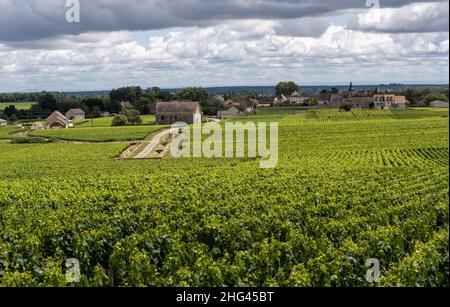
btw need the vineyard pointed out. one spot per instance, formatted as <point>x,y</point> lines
<point>100,134</point>
<point>107,121</point>
<point>7,133</point>
<point>337,115</point>
<point>348,187</point>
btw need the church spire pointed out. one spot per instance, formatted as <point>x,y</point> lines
<point>350,89</point>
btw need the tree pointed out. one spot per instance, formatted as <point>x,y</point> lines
<point>91,103</point>
<point>115,107</point>
<point>135,120</point>
<point>10,111</point>
<point>13,118</point>
<point>313,102</point>
<point>144,105</point>
<point>130,93</point>
<point>158,95</point>
<point>96,112</point>
<point>435,96</point>
<point>120,120</point>
<point>132,116</point>
<point>346,106</point>
<point>193,94</point>
<point>372,105</point>
<point>48,102</point>
<point>286,88</point>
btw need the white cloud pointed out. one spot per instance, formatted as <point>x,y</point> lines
<point>250,52</point>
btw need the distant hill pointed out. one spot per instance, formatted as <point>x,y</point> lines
<point>271,89</point>
<point>311,89</point>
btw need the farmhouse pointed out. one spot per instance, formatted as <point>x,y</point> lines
<point>57,120</point>
<point>266,101</point>
<point>439,104</point>
<point>297,98</point>
<point>3,122</point>
<point>75,114</point>
<point>178,111</point>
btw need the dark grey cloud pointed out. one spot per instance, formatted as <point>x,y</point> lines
<point>22,20</point>
<point>308,26</point>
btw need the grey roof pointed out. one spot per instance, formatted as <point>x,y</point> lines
<point>76,111</point>
<point>58,118</point>
<point>178,107</point>
<point>2,120</point>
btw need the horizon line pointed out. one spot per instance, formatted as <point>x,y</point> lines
<point>224,86</point>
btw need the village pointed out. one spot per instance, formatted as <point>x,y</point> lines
<point>191,111</point>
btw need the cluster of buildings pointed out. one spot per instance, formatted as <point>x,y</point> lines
<point>190,112</point>
<point>58,120</point>
<point>376,99</point>
<point>237,108</point>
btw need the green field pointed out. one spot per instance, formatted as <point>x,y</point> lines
<point>18,105</point>
<point>107,121</point>
<point>8,132</point>
<point>100,134</point>
<point>347,188</point>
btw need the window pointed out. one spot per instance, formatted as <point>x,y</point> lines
<point>162,117</point>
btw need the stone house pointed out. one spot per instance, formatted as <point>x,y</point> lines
<point>439,104</point>
<point>75,114</point>
<point>265,101</point>
<point>335,100</point>
<point>168,113</point>
<point>230,113</point>
<point>297,98</point>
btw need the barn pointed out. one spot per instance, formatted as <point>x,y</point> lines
<point>168,113</point>
<point>57,120</point>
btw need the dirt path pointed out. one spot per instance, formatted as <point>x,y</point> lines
<point>153,144</point>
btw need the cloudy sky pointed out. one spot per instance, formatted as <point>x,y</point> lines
<point>173,43</point>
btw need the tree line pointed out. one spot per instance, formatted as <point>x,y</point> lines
<point>138,100</point>
<point>143,101</point>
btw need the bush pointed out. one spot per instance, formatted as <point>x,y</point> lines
<point>135,120</point>
<point>313,102</point>
<point>435,96</point>
<point>120,120</point>
<point>33,140</point>
<point>346,106</point>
